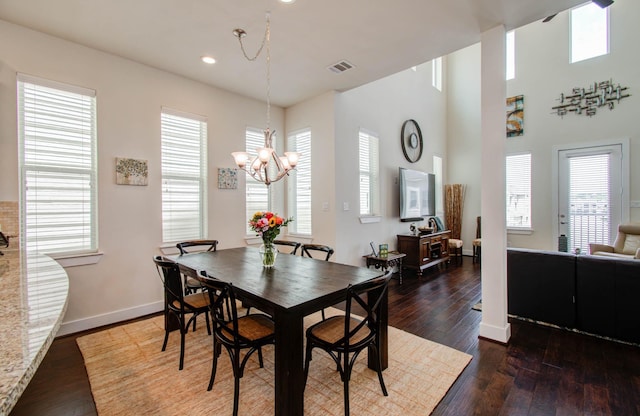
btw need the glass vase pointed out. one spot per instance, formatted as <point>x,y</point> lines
<point>268,254</point>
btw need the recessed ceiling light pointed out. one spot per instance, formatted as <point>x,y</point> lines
<point>208,60</point>
<point>287,1</point>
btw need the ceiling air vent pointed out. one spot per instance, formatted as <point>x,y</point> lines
<point>340,67</point>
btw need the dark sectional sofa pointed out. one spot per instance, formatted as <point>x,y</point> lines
<point>594,294</point>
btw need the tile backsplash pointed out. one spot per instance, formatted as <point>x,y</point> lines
<point>9,221</point>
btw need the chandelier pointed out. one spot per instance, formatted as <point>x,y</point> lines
<point>266,166</point>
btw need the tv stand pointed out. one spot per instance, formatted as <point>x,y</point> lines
<point>424,250</point>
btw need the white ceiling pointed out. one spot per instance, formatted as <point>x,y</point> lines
<point>380,37</point>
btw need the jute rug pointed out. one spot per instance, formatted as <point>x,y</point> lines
<point>129,375</point>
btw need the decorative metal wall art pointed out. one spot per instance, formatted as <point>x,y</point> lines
<point>587,101</point>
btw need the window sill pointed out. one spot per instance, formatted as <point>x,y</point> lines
<point>521,231</point>
<point>78,259</point>
<point>370,219</point>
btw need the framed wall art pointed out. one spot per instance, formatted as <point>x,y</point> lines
<point>515,116</point>
<point>132,172</point>
<point>227,178</point>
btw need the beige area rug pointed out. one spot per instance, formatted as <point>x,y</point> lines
<point>129,375</point>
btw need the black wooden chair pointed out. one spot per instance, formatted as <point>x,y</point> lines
<point>177,305</point>
<point>192,285</point>
<point>309,249</point>
<point>344,336</point>
<point>249,332</point>
<point>294,244</point>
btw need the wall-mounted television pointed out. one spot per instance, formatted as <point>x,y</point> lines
<point>417,195</point>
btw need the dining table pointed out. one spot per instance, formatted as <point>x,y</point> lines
<point>293,288</point>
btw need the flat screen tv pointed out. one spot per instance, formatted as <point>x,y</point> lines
<point>417,195</point>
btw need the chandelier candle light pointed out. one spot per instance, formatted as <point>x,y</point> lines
<point>267,166</point>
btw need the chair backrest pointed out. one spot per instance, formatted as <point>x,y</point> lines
<point>359,293</point>
<point>478,231</point>
<point>211,245</point>
<point>293,244</point>
<point>628,238</point>
<point>171,279</point>
<point>222,298</point>
<point>307,250</point>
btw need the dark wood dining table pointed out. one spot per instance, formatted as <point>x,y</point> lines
<point>294,288</point>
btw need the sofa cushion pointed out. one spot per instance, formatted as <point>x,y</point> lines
<point>631,244</point>
<point>613,255</point>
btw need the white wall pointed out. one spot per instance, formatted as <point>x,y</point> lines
<point>317,114</point>
<point>381,107</point>
<point>543,72</point>
<point>129,98</point>
<point>464,134</point>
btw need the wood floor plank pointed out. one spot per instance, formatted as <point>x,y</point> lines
<point>542,371</point>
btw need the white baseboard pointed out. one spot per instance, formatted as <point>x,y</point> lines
<point>499,334</point>
<point>109,318</point>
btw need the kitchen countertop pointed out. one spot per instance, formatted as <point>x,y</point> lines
<point>33,299</point>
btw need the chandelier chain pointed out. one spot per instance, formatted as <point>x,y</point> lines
<point>266,40</point>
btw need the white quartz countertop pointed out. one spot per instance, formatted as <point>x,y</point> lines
<point>33,300</point>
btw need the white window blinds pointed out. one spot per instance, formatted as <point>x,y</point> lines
<point>589,200</point>
<point>369,173</point>
<point>57,135</point>
<point>518,172</point>
<point>184,176</point>
<point>257,193</point>
<point>300,183</point>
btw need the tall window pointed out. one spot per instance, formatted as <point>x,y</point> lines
<point>511,55</point>
<point>438,171</point>
<point>256,193</point>
<point>436,73</point>
<point>369,174</point>
<point>518,173</point>
<point>184,176</point>
<point>57,135</point>
<point>300,183</point>
<point>589,32</point>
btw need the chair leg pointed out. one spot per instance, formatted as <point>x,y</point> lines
<point>182,333</point>
<point>236,394</point>
<point>166,338</point>
<point>379,369</point>
<point>260,357</point>
<point>214,365</point>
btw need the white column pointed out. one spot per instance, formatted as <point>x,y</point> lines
<point>494,323</point>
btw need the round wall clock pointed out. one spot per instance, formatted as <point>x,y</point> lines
<point>411,140</point>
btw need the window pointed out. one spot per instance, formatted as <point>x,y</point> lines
<point>256,193</point>
<point>518,173</point>
<point>300,183</point>
<point>589,32</point>
<point>511,55</point>
<point>436,73</point>
<point>184,176</point>
<point>369,174</point>
<point>591,193</point>
<point>57,142</point>
<point>438,171</point>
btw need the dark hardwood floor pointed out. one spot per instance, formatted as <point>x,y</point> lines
<point>543,371</point>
